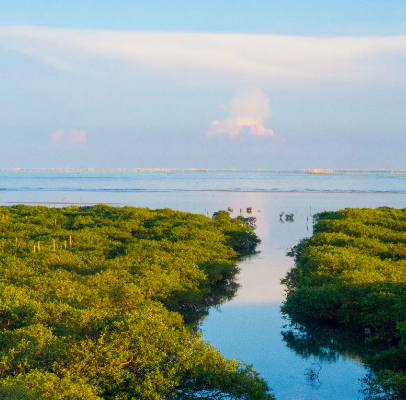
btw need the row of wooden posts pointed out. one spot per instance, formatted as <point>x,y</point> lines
<point>37,247</point>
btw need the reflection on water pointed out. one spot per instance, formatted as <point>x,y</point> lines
<point>252,332</point>
<point>328,344</point>
<point>195,305</point>
<point>313,375</point>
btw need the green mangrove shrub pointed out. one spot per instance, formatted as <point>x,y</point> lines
<point>102,303</point>
<point>352,273</point>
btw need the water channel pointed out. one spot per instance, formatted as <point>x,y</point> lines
<point>250,326</point>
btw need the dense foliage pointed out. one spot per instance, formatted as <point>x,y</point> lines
<point>94,300</point>
<point>352,272</point>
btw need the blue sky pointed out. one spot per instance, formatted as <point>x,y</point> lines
<point>293,17</point>
<point>208,84</point>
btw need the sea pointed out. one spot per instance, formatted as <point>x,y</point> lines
<point>250,327</point>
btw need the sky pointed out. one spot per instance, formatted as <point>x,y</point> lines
<point>209,84</point>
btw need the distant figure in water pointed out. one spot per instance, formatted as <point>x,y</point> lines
<point>289,217</point>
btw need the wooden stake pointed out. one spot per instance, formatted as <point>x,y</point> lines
<point>54,244</point>
<point>70,240</point>
<point>39,247</point>
<point>65,244</point>
<point>34,248</point>
<point>55,221</point>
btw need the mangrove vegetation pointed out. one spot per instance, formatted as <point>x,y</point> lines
<point>103,302</point>
<point>350,277</point>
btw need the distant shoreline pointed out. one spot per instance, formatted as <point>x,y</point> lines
<point>307,171</point>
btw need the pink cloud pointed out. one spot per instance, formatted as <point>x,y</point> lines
<point>227,126</point>
<point>60,137</point>
<point>260,130</point>
<point>76,137</point>
<point>57,136</point>
<point>248,109</point>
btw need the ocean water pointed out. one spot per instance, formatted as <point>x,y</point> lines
<point>250,326</point>
<point>192,180</point>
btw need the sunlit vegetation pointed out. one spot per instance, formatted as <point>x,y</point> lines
<point>102,303</point>
<point>352,273</point>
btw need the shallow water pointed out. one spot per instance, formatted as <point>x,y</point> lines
<point>249,327</point>
<point>268,181</point>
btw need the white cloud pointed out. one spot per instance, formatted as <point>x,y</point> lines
<point>248,110</point>
<point>238,56</point>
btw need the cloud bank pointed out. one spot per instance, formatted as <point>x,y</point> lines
<point>248,110</point>
<point>249,56</point>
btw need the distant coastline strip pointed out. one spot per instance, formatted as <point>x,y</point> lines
<point>311,171</point>
<point>293,191</point>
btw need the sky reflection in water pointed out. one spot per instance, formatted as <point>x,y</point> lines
<point>250,326</point>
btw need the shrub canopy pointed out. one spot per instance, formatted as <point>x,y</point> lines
<point>102,303</point>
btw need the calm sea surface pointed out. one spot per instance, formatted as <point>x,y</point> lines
<point>250,326</point>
